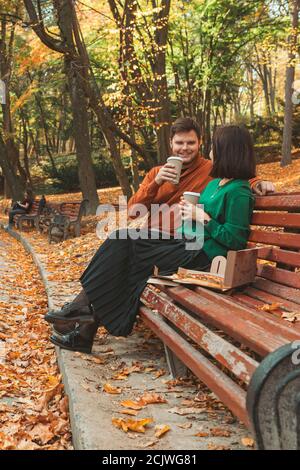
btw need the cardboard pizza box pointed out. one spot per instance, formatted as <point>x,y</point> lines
<point>238,269</point>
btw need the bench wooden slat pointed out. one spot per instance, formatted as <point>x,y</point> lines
<point>224,352</point>
<point>271,324</point>
<point>247,300</point>
<point>279,290</point>
<point>282,276</point>
<point>277,255</point>
<point>285,240</point>
<point>278,202</point>
<point>249,327</point>
<point>276,220</point>
<point>225,388</point>
<point>266,297</point>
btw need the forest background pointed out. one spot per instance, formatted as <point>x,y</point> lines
<point>90,88</point>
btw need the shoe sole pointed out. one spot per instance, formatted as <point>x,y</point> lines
<point>62,321</point>
<point>63,346</point>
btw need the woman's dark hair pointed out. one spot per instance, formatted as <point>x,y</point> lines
<point>184,124</point>
<point>233,153</point>
<point>30,194</point>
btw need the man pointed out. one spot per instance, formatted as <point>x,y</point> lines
<point>157,188</point>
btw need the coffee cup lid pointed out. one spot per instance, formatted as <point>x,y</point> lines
<point>175,158</point>
<point>192,193</point>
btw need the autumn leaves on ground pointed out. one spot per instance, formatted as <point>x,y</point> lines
<point>33,407</point>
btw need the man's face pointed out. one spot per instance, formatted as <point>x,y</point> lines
<point>185,145</point>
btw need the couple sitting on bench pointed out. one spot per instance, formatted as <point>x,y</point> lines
<point>117,275</point>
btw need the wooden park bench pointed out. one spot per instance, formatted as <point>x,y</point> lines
<point>31,218</point>
<point>238,343</point>
<point>68,218</point>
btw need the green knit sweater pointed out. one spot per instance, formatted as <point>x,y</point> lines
<point>230,207</point>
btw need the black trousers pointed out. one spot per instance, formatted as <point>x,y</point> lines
<point>14,212</point>
<point>118,274</point>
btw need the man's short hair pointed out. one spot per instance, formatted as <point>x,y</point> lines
<point>185,124</point>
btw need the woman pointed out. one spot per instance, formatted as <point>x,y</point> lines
<point>118,273</point>
<point>21,207</point>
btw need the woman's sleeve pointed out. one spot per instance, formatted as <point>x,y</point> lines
<point>234,232</point>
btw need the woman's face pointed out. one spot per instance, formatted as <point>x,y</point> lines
<point>211,155</point>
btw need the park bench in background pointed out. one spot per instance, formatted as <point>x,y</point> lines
<point>68,218</point>
<point>32,217</point>
<point>237,343</point>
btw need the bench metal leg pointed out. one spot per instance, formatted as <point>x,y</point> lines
<point>77,230</point>
<point>176,367</point>
<point>273,400</point>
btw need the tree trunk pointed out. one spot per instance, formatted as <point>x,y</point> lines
<point>73,67</point>
<point>12,180</point>
<point>7,36</point>
<point>289,80</point>
<point>205,130</point>
<point>160,85</point>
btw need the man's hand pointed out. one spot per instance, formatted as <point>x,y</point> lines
<point>166,173</point>
<point>264,187</point>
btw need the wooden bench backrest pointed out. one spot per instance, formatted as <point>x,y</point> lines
<point>35,207</point>
<point>74,210</point>
<point>276,229</point>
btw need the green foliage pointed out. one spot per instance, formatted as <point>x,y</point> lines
<point>267,129</point>
<point>67,179</point>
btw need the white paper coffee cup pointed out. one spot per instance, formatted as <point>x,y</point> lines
<point>191,197</point>
<point>177,162</point>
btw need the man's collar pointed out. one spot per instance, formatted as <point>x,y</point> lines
<point>196,163</point>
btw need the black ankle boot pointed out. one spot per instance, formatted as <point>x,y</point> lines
<point>81,299</point>
<point>81,339</point>
<point>70,312</point>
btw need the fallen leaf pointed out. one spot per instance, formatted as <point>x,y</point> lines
<point>132,404</point>
<point>218,432</point>
<point>111,389</point>
<point>202,434</point>
<point>247,442</point>
<point>159,373</point>
<point>215,447</point>
<point>132,424</point>
<point>270,307</point>
<point>151,398</point>
<point>41,432</point>
<point>161,429</point>
<point>148,444</point>
<point>185,426</point>
<point>129,412</point>
<point>291,316</point>
<point>120,377</point>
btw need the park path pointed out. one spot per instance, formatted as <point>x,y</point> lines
<point>136,366</point>
<point>33,407</point>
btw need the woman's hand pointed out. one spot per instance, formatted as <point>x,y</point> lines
<point>191,212</point>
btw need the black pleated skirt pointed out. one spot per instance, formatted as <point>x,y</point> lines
<point>118,273</point>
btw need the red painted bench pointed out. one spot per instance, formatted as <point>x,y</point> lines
<point>69,217</point>
<point>249,357</point>
<point>32,217</point>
